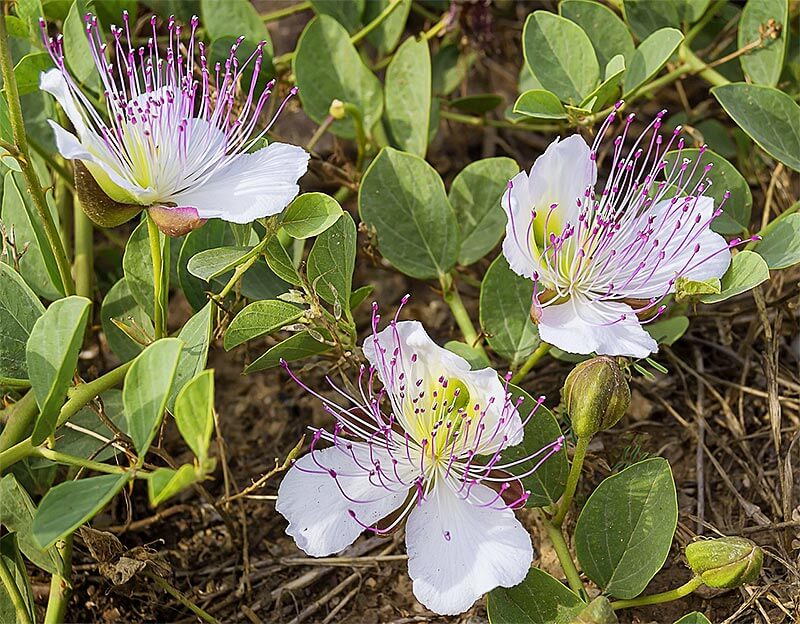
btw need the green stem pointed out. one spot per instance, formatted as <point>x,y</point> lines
<point>28,172</point>
<point>159,311</point>
<point>16,453</point>
<point>494,123</point>
<point>272,224</point>
<point>19,421</point>
<point>565,558</point>
<point>387,11</point>
<point>668,596</point>
<point>572,480</point>
<point>700,68</point>
<point>23,617</point>
<point>361,136</point>
<point>80,396</point>
<point>453,299</point>
<point>84,251</point>
<point>60,585</point>
<point>319,133</point>
<point>542,350</point>
<point>274,16</point>
<point>436,28</point>
<point>80,462</point>
<point>180,597</point>
<point>84,393</point>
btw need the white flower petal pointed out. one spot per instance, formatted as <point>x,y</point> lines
<point>518,206</point>
<point>55,84</point>
<point>458,551</point>
<point>69,146</point>
<point>561,176</point>
<point>408,338</point>
<point>252,186</point>
<point>318,511</point>
<point>583,326</point>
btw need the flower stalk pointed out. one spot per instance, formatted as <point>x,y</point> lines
<point>160,281</point>
<point>564,557</point>
<point>667,596</point>
<point>453,299</point>
<point>572,480</point>
<point>534,358</point>
<point>83,261</point>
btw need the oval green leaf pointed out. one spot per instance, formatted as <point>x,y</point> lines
<point>780,242</point>
<point>328,67</point>
<point>68,505</point>
<point>147,387</point>
<point>235,18</point>
<point>138,268</point>
<point>625,530</point>
<point>52,356</point>
<point>407,96</point>
<point>331,262</point>
<point>747,270</point>
<point>194,413</point>
<point>196,337</point>
<point>539,599</point>
<point>296,347</point>
<point>120,306</point>
<point>475,196</point>
<point>547,484</point>
<point>164,483</point>
<point>310,214</point>
<point>560,56</point>
<point>770,117</point>
<point>606,31</point>
<point>651,55</point>
<point>540,104</point>
<point>19,309</point>
<point>403,198</point>
<point>764,64</point>
<point>505,312</point>
<point>259,319</point>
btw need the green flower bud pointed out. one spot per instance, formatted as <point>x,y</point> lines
<point>98,206</point>
<point>336,109</point>
<point>596,395</point>
<point>725,562</point>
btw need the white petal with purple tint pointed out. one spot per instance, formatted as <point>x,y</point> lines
<point>604,258</point>
<point>583,326</point>
<point>317,505</point>
<point>457,550</point>
<point>174,130</point>
<point>428,448</point>
<point>406,358</point>
<point>252,186</point>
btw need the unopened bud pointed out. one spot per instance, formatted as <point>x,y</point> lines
<point>725,562</point>
<point>337,110</point>
<point>97,205</point>
<point>596,395</point>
